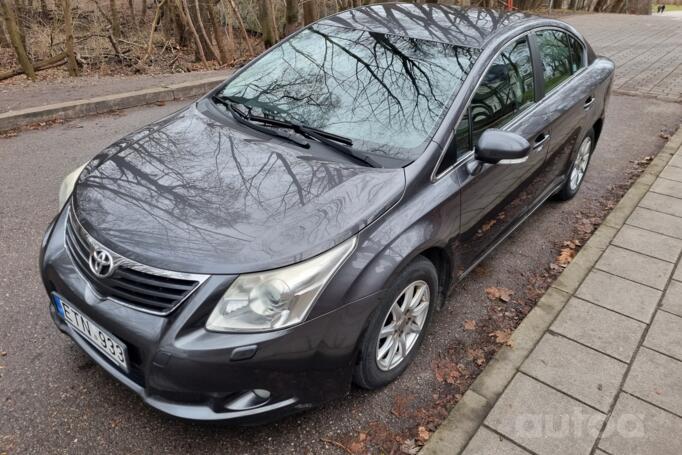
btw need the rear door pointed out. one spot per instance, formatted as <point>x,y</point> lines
<point>495,196</point>
<point>567,101</point>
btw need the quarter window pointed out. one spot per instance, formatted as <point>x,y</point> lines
<point>555,55</point>
<point>506,89</point>
<point>577,52</point>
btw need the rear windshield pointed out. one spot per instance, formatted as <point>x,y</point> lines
<point>385,92</point>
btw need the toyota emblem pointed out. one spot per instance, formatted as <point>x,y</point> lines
<point>101,263</point>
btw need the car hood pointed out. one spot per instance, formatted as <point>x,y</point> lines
<point>191,194</point>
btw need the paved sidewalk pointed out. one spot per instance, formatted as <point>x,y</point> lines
<point>596,367</point>
<point>645,49</point>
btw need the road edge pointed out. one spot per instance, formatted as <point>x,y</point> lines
<point>102,104</point>
<point>453,435</point>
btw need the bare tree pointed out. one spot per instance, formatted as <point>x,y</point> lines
<point>267,24</point>
<point>310,12</point>
<point>190,25</point>
<point>115,22</point>
<point>207,39</point>
<point>132,13</point>
<point>291,16</point>
<point>218,33</point>
<point>4,41</point>
<point>68,39</point>
<point>15,38</point>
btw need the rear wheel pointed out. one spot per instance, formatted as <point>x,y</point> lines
<point>578,169</point>
<point>397,327</point>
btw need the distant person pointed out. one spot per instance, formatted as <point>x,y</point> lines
<point>663,8</point>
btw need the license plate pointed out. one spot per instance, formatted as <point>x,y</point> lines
<point>106,343</point>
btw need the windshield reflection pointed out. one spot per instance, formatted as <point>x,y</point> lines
<point>386,92</point>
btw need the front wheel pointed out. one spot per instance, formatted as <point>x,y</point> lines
<point>578,169</point>
<point>397,327</point>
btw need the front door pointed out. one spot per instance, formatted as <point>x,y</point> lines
<point>495,196</point>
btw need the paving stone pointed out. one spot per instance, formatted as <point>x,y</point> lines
<point>580,372</point>
<point>667,187</point>
<point>544,420</point>
<point>650,243</point>
<point>656,221</point>
<point>678,273</point>
<point>635,266</point>
<point>621,295</point>
<point>599,328</point>
<point>672,173</point>
<point>662,203</point>
<point>665,335</point>
<point>672,299</point>
<point>655,378</point>
<point>638,428</point>
<point>486,442</point>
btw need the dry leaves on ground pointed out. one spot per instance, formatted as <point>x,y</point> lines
<point>502,294</point>
<point>503,337</point>
<point>446,370</point>
<point>469,325</point>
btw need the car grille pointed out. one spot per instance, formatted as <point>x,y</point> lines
<point>132,284</point>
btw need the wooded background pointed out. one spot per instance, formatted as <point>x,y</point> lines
<point>142,36</point>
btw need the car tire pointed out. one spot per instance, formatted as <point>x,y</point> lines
<point>384,357</point>
<point>576,174</point>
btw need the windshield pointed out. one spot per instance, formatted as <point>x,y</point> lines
<point>384,92</point>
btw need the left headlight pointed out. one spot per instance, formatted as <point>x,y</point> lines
<point>66,188</point>
<point>275,299</point>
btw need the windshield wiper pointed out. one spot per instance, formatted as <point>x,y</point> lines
<point>339,143</point>
<point>245,119</point>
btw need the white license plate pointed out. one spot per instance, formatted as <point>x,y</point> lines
<point>106,343</point>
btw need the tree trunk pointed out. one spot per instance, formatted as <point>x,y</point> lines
<point>310,11</point>
<point>207,39</point>
<point>151,31</point>
<point>266,22</point>
<point>143,12</point>
<point>245,34</point>
<point>291,16</point>
<point>51,62</point>
<point>68,39</point>
<point>197,17</point>
<point>115,22</point>
<point>132,13</point>
<point>4,41</point>
<point>192,28</point>
<point>218,34</point>
<point>15,37</point>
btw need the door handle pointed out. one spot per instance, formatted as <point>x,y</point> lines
<point>588,103</point>
<point>540,141</point>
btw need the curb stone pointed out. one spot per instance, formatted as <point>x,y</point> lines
<point>101,104</point>
<point>468,415</point>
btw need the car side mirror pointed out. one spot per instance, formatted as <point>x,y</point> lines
<point>501,147</point>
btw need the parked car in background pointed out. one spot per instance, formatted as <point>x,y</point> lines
<point>297,229</point>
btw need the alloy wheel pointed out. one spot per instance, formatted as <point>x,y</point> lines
<point>403,325</point>
<point>580,164</point>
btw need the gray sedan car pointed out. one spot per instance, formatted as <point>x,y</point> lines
<point>297,229</point>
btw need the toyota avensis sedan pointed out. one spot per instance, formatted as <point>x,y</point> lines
<point>296,229</point>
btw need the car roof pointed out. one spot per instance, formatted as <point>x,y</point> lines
<point>468,27</point>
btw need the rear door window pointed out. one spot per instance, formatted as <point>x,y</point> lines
<point>555,55</point>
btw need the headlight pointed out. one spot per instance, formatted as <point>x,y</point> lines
<point>67,185</point>
<point>258,302</point>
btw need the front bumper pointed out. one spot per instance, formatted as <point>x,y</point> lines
<point>181,369</point>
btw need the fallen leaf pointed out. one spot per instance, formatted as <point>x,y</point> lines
<point>502,294</point>
<point>423,433</point>
<point>486,226</point>
<point>565,257</point>
<point>502,337</point>
<point>446,371</point>
<point>476,355</point>
<point>469,324</point>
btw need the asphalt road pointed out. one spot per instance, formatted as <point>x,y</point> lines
<point>55,400</point>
